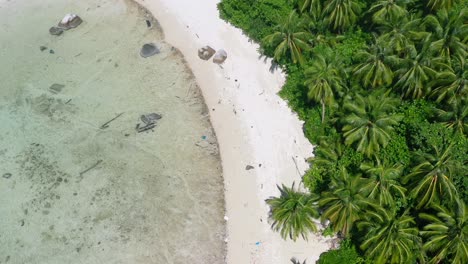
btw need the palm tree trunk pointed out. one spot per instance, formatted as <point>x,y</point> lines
<point>323,110</point>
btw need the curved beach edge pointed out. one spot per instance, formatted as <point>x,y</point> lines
<point>253,125</point>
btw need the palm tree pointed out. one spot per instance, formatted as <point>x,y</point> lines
<point>399,34</point>
<point>312,7</point>
<point>384,182</point>
<point>324,78</point>
<point>416,71</point>
<point>370,122</point>
<point>453,82</point>
<point>448,28</point>
<point>447,234</point>
<point>431,177</point>
<point>291,36</point>
<point>341,14</point>
<point>387,10</point>
<point>374,70</point>
<point>440,4</point>
<point>344,203</point>
<point>456,116</point>
<point>389,238</point>
<point>293,213</point>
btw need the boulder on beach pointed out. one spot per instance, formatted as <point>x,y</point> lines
<point>148,50</point>
<point>220,56</point>
<point>55,31</point>
<point>70,21</point>
<point>206,52</point>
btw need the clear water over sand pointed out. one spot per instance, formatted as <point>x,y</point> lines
<point>82,194</point>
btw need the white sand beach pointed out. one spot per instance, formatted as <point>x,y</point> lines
<point>254,126</point>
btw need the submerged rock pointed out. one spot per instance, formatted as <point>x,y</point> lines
<point>70,21</point>
<point>149,50</point>
<point>206,52</point>
<point>220,56</point>
<point>56,31</point>
<point>56,88</point>
<point>150,118</point>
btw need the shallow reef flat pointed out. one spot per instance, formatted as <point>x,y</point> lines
<point>80,184</point>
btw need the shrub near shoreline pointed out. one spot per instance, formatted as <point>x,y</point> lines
<point>382,88</point>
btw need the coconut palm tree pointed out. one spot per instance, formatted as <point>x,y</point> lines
<point>389,238</point>
<point>447,234</point>
<point>290,37</point>
<point>293,213</point>
<point>374,70</point>
<point>341,14</point>
<point>387,10</point>
<point>452,83</point>
<point>456,115</point>
<point>312,7</point>
<point>431,177</point>
<point>448,28</point>
<point>370,122</point>
<point>399,34</point>
<point>440,4</point>
<point>345,202</point>
<point>324,78</point>
<point>416,71</point>
<point>384,182</point>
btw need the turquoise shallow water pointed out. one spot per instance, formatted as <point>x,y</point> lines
<point>79,193</point>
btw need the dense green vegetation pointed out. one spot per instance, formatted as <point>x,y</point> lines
<point>383,89</point>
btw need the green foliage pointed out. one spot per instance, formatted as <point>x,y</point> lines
<point>256,18</point>
<point>352,42</point>
<point>397,151</point>
<point>346,254</point>
<point>408,155</point>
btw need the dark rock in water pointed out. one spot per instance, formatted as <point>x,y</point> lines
<point>150,118</point>
<point>7,175</point>
<point>148,23</point>
<point>55,31</point>
<point>148,50</point>
<point>249,167</point>
<point>70,21</point>
<point>56,88</point>
<point>206,52</point>
<point>220,56</point>
<point>42,48</point>
<point>51,51</point>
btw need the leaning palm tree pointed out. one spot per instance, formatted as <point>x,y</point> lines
<point>325,79</point>
<point>389,238</point>
<point>431,177</point>
<point>455,116</point>
<point>387,10</point>
<point>448,29</point>
<point>384,184</point>
<point>370,122</point>
<point>447,234</point>
<point>290,37</point>
<point>293,213</point>
<point>374,70</point>
<point>341,14</point>
<point>345,202</point>
<point>452,83</point>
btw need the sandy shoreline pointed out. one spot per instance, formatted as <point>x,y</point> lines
<point>254,126</point>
